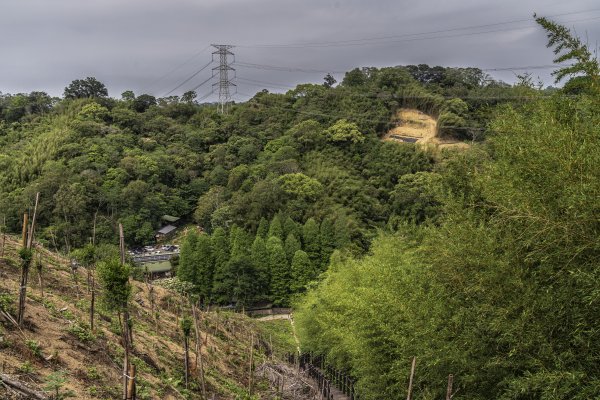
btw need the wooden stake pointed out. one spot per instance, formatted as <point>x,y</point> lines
<point>199,349</point>
<point>3,238</point>
<point>122,244</point>
<point>125,356</point>
<point>126,335</point>
<point>24,233</point>
<point>410,382</point>
<point>24,275</point>
<point>131,392</point>
<point>39,266</point>
<point>92,304</point>
<point>186,360</point>
<point>250,366</point>
<point>449,389</point>
<point>32,227</point>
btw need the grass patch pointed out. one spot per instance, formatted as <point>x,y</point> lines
<point>281,335</point>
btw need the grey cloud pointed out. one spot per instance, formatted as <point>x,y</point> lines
<point>129,44</point>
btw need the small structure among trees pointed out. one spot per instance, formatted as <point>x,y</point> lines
<point>167,230</point>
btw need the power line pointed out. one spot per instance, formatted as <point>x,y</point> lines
<point>272,84</point>
<point>176,68</point>
<point>188,79</point>
<point>202,83</point>
<point>414,39</point>
<point>286,69</point>
<point>365,41</point>
<point>206,96</point>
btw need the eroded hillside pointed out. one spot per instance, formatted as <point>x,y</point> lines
<point>56,342</point>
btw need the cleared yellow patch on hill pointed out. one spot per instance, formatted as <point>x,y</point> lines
<point>414,126</point>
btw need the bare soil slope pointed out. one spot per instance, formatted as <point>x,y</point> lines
<point>414,126</point>
<point>56,338</point>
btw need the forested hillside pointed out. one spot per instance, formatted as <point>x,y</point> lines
<point>481,261</point>
<point>303,171</point>
<point>499,287</point>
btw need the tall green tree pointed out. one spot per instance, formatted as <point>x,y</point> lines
<point>263,228</point>
<point>569,48</point>
<point>302,271</point>
<point>276,228</point>
<point>187,269</point>
<point>241,268</point>
<point>85,88</point>
<point>291,245</point>
<point>205,263</point>
<point>223,281</point>
<point>327,242</point>
<point>310,240</point>
<point>280,271</point>
<point>261,266</point>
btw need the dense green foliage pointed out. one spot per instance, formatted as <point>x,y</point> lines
<point>309,161</point>
<point>114,279</point>
<point>312,152</point>
<point>499,288</point>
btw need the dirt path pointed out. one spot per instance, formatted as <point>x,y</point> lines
<point>273,317</point>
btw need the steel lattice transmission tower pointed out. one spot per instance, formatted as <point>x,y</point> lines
<point>223,50</point>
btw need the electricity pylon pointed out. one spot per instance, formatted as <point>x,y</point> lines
<point>223,50</point>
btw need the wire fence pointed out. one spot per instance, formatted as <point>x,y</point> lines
<point>332,383</point>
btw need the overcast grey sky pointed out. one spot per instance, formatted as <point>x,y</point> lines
<point>130,44</point>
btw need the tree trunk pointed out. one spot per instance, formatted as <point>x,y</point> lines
<point>32,227</point>
<point>131,390</point>
<point>449,388</point>
<point>18,386</point>
<point>186,361</point>
<point>125,355</point>
<point>199,349</point>
<point>250,366</point>
<point>24,275</point>
<point>92,304</point>
<point>39,267</point>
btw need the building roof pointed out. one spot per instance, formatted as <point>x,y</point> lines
<point>170,218</point>
<point>165,230</point>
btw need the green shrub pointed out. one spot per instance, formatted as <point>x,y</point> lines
<point>81,331</point>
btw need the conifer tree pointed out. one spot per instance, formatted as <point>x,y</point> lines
<point>280,271</point>
<point>342,232</point>
<point>276,228</point>
<point>327,242</point>
<point>263,228</point>
<point>290,226</point>
<point>205,267</point>
<point>291,245</point>
<point>222,281</point>
<point>186,271</point>
<point>240,268</point>
<point>302,271</point>
<point>310,239</point>
<point>260,264</point>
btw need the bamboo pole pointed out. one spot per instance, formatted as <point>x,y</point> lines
<point>125,329</point>
<point>32,227</point>
<point>199,349</point>
<point>250,365</point>
<point>131,392</point>
<point>24,274</point>
<point>3,237</point>
<point>24,232</point>
<point>412,375</point>
<point>449,389</point>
